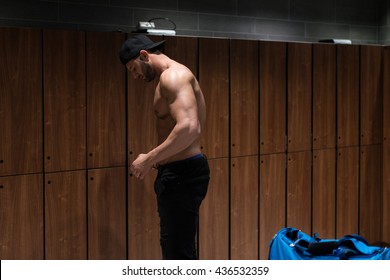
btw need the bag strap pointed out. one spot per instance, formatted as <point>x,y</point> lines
<point>322,248</point>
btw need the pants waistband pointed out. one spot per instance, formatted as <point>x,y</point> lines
<point>181,162</point>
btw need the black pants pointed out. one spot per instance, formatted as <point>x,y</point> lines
<point>180,188</point>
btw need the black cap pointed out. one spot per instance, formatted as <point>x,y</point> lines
<point>133,45</point>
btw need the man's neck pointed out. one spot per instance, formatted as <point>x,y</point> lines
<point>161,63</point>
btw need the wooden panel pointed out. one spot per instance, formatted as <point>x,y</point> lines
<point>273,88</point>
<point>299,96</point>
<point>324,96</point>
<point>324,192</point>
<point>244,208</point>
<point>106,116</point>
<point>214,214</point>
<point>370,207</point>
<point>66,215</point>
<point>184,50</point>
<point>21,217</point>
<point>143,220</point>
<point>20,101</point>
<point>64,93</point>
<point>244,95</point>
<point>142,134</point>
<point>272,199</point>
<point>107,213</point>
<point>214,81</point>
<point>347,191</point>
<point>348,95</point>
<point>386,194</point>
<point>371,95</point>
<point>386,148</point>
<point>299,191</point>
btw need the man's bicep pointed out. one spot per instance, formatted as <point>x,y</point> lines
<point>183,104</point>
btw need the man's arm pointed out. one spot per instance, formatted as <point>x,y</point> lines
<point>183,108</point>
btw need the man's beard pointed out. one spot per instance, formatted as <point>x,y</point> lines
<point>147,70</point>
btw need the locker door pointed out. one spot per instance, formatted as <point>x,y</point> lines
<point>20,101</point>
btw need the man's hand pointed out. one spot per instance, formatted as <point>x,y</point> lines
<point>141,166</point>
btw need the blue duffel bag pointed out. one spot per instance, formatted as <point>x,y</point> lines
<point>293,244</point>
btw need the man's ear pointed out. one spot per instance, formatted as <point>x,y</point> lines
<point>144,55</point>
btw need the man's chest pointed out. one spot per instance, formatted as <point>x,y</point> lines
<point>160,105</point>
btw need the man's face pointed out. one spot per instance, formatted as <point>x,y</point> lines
<point>141,69</point>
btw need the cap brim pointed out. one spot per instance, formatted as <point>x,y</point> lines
<point>156,46</point>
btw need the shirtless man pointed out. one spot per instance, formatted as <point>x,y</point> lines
<point>183,171</point>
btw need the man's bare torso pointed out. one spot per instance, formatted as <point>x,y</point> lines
<point>164,120</point>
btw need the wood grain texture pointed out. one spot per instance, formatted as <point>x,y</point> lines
<point>299,192</point>
<point>299,105</point>
<point>324,96</point>
<point>143,220</point>
<point>386,148</point>
<point>214,214</point>
<point>244,211</point>
<point>272,199</point>
<point>106,100</point>
<point>65,95</point>
<point>347,191</point>
<point>244,96</point>
<point>65,100</point>
<point>348,65</point>
<point>21,217</point>
<point>324,192</point>
<point>386,194</point>
<point>184,50</point>
<point>107,214</point>
<point>371,92</point>
<point>214,81</point>
<point>66,216</point>
<point>370,206</point>
<point>142,134</point>
<point>273,98</point>
<point>20,101</point>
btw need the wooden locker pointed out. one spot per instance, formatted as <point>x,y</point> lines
<point>299,191</point>
<point>386,148</point>
<point>183,50</point>
<point>106,100</point>
<point>324,192</point>
<point>244,212</point>
<point>64,100</point>
<point>347,191</point>
<point>371,115</point>
<point>214,81</point>
<point>348,65</point>
<point>20,101</point>
<point>299,108</point>
<point>107,214</point>
<point>272,199</point>
<point>142,134</point>
<point>21,217</point>
<point>143,220</point>
<point>386,194</point>
<point>370,206</point>
<point>244,95</point>
<point>214,214</point>
<point>273,98</point>
<point>66,215</point>
<point>324,96</point>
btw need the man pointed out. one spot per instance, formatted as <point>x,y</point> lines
<point>183,171</point>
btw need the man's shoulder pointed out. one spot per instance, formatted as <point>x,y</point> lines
<point>177,74</point>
